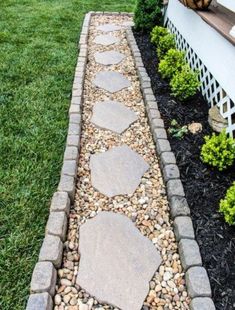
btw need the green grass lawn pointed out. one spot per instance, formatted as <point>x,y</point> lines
<point>38,51</point>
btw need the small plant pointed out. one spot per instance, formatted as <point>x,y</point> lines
<point>172,62</point>
<point>184,83</point>
<point>218,151</point>
<point>165,44</point>
<point>157,33</point>
<point>227,205</point>
<point>148,13</point>
<point>176,130</point>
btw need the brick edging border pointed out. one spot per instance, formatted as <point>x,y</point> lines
<point>197,281</point>
<point>44,277</point>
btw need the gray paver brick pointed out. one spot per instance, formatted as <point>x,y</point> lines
<point>43,278</point>
<point>69,168</point>
<point>175,188</point>
<point>74,129</point>
<point>163,145</point>
<point>153,113</point>
<point>75,119</point>
<point>73,140</point>
<point>178,206</point>
<point>202,303</point>
<point>51,250</point>
<point>189,253</point>
<point>67,184</point>
<point>159,133</point>
<point>57,224</point>
<point>40,301</point>
<point>60,202</point>
<point>197,282</point>
<point>71,152</point>
<point>183,228</point>
<point>170,171</point>
<point>167,158</point>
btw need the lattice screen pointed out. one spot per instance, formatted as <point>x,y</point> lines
<point>210,88</point>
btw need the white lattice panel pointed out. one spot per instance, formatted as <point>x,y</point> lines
<point>210,88</point>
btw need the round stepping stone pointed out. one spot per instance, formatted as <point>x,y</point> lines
<point>106,40</point>
<point>111,81</point>
<point>112,115</point>
<point>109,58</point>
<point>117,171</point>
<point>117,261</point>
<point>109,27</point>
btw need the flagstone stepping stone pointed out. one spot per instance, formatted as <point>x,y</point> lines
<point>117,261</point>
<point>111,81</point>
<point>112,115</point>
<point>109,27</point>
<point>117,171</point>
<point>109,58</point>
<point>106,39</point>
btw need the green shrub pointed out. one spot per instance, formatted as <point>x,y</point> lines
<point>148,13</point>
<point>157,33</point>
<point>176,130</point>
<point>218,151</point>
<point>172,62</point>
<point>184,83</point>
<point>227,205</point>
<point>165,43</point>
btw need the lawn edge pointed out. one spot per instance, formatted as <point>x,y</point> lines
<point>197,280</point>
<point>44,276</point>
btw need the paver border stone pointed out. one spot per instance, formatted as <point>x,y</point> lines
<point>179,209</point>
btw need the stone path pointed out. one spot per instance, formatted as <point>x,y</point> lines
<point>119,228</point>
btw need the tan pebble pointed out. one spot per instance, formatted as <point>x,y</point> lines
<point>65,282</point>
<point>171,284</point>
<point>57,299</point>
<point>161,270</point>
<point>66,298</point>
<point>73,301</point>
<point>67,290</point>
<point>158,288</point>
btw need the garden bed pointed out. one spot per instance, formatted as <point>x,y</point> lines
<point>204,186</point>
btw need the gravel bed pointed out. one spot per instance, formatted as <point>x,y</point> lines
<point>148,207</point>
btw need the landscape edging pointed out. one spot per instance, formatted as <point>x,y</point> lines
<point>43,281</point>
<point>197,280</point>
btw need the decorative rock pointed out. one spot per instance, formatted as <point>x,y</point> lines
<point>60,202</point>
<point>178,206</point>
<point>183,228</point>
<point>42,301</point>
<point>110,262</point>
<point>109,58</point>
<point>197,282</point>
<point>57,224</point>
<point>106,40</point>
<point>69,167</point>
<point>195,128</point>
<point>175,188</point>
<point>171,172</point>
<point>51,250</point>
<point>43,278</point>
<point>109,27</point>
<point>117,171</point>
<point>216,120</point>
<point>189,253</point>
<point>111,81</point>
<point>113,116</point>
<point>202,303</point>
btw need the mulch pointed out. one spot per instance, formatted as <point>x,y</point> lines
<point>204,186</point>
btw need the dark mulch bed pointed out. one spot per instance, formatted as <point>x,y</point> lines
<point>204,187</point>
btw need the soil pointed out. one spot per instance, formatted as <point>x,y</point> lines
<point>204,186</point>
